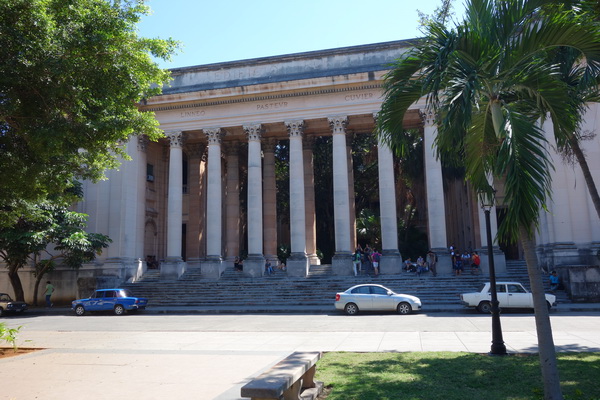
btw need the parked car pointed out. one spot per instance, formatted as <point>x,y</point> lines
<point>375,298</point>
<point>116,300</point>
<point>8,305</point>
<point>510,295</point>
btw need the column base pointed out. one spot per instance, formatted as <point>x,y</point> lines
<point>341,263</point>
<point>254,266</point>
<point>390,263</point>
<point>499,261</point>
<point>297,265</point>
<point>172,268</point>
<point>444,263</point>
<point>313,259</point>
<point>212,268</point>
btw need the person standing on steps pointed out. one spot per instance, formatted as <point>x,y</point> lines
<point>432,262</point>
<point>49,291</point>
<point>375,258</point>
<point>356,261</point>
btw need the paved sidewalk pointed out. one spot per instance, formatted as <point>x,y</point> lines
<point>183,356</point>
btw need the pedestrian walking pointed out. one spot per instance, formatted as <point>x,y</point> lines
<point>49,291</point>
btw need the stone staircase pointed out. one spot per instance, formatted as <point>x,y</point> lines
<point>316,290</point>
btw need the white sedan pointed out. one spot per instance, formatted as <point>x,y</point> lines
<point>375,298</point>
<point>510,295</point>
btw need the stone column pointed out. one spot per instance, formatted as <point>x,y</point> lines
<point>391,261</point>
<point>341,262</point>
<point>436,210</point>
<point>232,202</point>
<point>309,201</point>
<point>297,264</point>
<point>173,267</point>
<point>254,265</point>
<point>213,265</point>
<point>351,195</point>
<point>269,200</point>
<point>196,211</point>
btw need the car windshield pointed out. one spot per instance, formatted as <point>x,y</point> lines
<point>4,297</point>
<point>480,289</point>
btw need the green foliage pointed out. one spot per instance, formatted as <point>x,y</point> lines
<point>390,376</point>
<point>71,75</point>
<point>9,335</point>
<point>50,233</point>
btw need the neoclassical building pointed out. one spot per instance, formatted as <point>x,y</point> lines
<point>180,200</point>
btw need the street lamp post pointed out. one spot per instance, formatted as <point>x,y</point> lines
<point>498,347</point>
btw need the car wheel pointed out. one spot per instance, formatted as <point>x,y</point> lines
<point>119,310</point>
<point>485,307</point>
<point>79,310</point>
<point>351,309</point>
<point>404,308</point>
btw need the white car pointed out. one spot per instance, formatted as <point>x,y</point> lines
<point>375,298</point>
<point>510,295</point>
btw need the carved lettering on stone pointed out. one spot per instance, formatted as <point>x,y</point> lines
<point>358,96</point>
<point>253,132</point>
<point>295,128</point>
<point>213,135</point>
<point>338,123</point>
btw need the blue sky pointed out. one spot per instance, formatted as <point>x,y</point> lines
<point>213,31</point>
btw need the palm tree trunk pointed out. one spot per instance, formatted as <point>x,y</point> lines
<point>546,349</point>
<point>589,180</point>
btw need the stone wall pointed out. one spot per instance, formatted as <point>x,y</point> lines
<point>581,282</point>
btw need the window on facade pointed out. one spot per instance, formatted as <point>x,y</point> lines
<point>150,172</point>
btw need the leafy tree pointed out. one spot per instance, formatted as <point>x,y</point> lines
<point>490,81</point>
<point>55,226</point>
<point>71,75</point>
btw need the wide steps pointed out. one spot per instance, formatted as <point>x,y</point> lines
<point>318,289</point>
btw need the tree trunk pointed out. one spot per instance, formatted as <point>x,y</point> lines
<point>546,348</point>
<point>38,279</point>
<point>15,281</point>
<point>589,180</point>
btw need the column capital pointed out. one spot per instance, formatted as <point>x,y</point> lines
<point>175,138</point>
<point>213,135</point>
<point>253,131</point>
<point>428,117</point>
<point>295,128</point>
<point>142,143</point>
<point>338,123</point>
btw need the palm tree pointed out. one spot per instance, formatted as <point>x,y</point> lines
<point>490,83</point>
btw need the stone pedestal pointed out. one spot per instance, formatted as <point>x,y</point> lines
<point>172,269</point>
<point>444,263</point>
<point>390,263</point>
<point>297,265</point>
<point>254,266</point>
<point>212,268</point>
<point>499,262</point>
<point>341,263</point>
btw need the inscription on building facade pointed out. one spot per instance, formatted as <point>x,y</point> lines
<point>192,114</point>
<point>272,106</point>
<point>359,96</point>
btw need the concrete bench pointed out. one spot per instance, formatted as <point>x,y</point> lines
<point>291,378</point>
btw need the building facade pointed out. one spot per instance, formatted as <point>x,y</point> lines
<point>179,201</point>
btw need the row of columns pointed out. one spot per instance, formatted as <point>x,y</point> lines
<point>261,200</point>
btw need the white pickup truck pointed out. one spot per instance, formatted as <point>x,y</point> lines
<point>510,295</point>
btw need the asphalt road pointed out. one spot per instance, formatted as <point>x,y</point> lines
<point>212,356</point>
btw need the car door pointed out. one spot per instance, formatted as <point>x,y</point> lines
<point>518,297</point>
<point>109,300</point>
<point>502,295</point>
<point>381,299</point>
<point>362,297</point>
<point>94,302</point>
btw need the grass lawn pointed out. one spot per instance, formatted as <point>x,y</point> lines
<point>448,376</point>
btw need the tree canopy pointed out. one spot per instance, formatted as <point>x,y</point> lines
<point>71,75</point>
